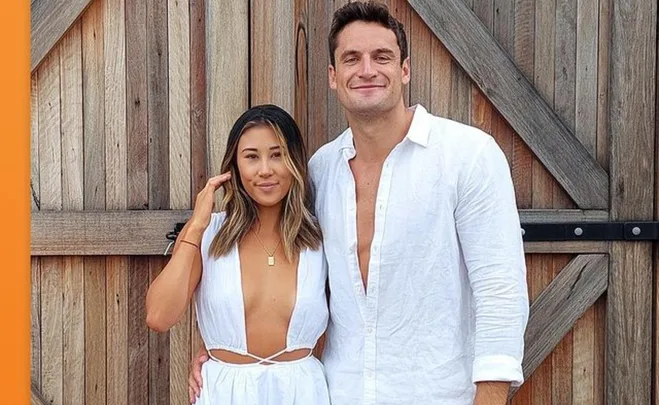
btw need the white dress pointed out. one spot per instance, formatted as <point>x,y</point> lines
<point>221,319</point>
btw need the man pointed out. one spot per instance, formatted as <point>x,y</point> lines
<point>428,300</point>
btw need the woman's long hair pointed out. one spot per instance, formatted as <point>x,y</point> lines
<point>298,225</point>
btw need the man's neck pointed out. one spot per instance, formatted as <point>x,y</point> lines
<point>376,136</point>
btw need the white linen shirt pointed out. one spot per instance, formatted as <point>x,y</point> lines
<point>447,303</point>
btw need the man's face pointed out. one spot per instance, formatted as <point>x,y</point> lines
<point>368,75</point>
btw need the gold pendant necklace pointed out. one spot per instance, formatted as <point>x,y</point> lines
<point>271,256</point>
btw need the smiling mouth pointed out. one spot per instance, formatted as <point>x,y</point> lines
<point>266,186</point>
<point>367,87</point>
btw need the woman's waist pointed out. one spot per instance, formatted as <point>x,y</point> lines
<point>259,357</point>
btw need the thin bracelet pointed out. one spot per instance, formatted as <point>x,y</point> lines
<point>189,243</point>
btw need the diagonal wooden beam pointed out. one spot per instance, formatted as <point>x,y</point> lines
<point>560,305</point>
<point>490,67</point>
<point>49,20</point>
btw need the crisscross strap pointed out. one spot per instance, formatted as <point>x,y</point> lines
<point>269,359</point>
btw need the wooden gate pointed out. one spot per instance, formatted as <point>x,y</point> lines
<point>131,105</point>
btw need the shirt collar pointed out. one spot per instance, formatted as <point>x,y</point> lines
<point>418,132</point>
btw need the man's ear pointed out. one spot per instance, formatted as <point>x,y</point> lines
<point>331,75</point>
<point>406,70</point>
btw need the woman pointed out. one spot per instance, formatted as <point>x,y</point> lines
<point>258,269</point>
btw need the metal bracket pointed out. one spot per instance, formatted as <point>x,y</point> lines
<point>600,231</point>
<point>171,236</point>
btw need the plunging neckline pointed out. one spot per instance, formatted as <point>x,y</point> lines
<point>238,269</point>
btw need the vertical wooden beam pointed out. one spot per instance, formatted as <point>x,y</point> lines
<point>301,73</point>
<point>318,23</point>
<point>73,328</point>
<point>227,79</point>
<point>137,198</point>
<point>178,29</point>
<point>632,111</point>
<point>93,90</point>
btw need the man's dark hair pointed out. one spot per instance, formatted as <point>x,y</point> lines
<point>370,11</point>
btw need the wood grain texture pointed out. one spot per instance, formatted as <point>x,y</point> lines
<point>95,327</point>
<point>51,329</point>
<point>440,78</point>
<point>517,100</point>
<point>93,90</point>
<point>565,299</point>
<point>178,40</point>
<point>198,136</point>
<point>116,282</point>
<point>157,103</point>
<point>301,74</point>
<point>104,232</point>
<point>35,322</point>
<point>420,61</point>
<point>73,323</point>
<point>524,55</point>
<point>136,106</point>
<point>227,79</point>
<point>272,53</point>
<point>632,50</point>
<point>318,23</point>
<point>603,43</point>
<point>159,354</point>
<point>49,21</point>
<point>138,333</point>
<point>35,202</point>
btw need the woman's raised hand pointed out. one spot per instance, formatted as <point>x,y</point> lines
<point>203,207</point>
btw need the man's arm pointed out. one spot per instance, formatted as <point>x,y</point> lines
<point>490,237</point>
<point>491,393</point>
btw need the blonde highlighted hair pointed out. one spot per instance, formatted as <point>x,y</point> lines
<point>298,225</point>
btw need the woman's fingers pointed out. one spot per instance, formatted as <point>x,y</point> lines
<point>216,181</point>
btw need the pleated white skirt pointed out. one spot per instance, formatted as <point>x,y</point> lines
<point>298,382</point>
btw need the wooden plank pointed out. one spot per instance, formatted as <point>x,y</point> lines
<point>633,54</point>
<point>94,197</point>
<point>34,142</point>
<point>604,31</point>
<point>272,53</point>
<point>198,134</point>
<point>563,384</point>
<point>116,167</point>
<point>301,90</point>
<point>50,143</point>
<point>51,329</point>
<point>159,356</point>
<point>179,167</point>
<point>558,307</point>
<point>35,322</point>
<point>420,61</point>
<point>136,105</point>
<point>117,329</point>
<point>570,247</point>
<point>178,39</point>
<point>95,326</point>
<point>49,20</point>
<point>586,74</point>
<point>109,232</point>
<point>524,55</point>
<point>158,103</point>
<point>542,182</point>
<point>440,78</point>
<point>227,85</point>
<point>73,327</point>
<point>503,30</point>
<point>93,90</point>
<point>517,100</point>
<point>138,333</point>
<point>318,23</point>
<point>198,153</point>
<point>103,233</point>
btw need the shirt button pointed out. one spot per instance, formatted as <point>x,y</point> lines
<point>369,374</point>
<point>369,330</point>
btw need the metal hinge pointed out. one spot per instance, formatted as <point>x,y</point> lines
<point>602,231</point>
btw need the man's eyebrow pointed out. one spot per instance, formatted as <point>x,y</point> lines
<point>348,52</point>
<point>384,50</point>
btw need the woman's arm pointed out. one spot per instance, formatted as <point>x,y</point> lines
<point>170,293</point>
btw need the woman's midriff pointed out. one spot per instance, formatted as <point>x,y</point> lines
<point>235,358</point>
